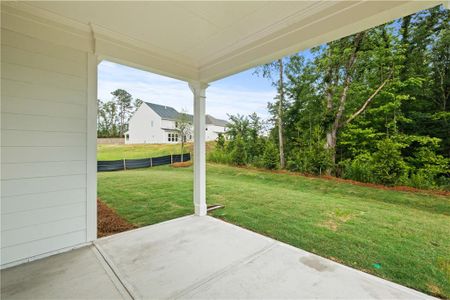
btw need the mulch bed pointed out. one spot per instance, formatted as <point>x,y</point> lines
<point>181,164</point>
<point>109,222</point>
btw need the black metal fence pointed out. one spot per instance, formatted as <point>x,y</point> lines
<point>127,164</point>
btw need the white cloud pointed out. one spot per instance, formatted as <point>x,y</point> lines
<point>221,99</point>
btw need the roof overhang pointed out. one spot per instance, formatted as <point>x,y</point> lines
<point>207,41</point>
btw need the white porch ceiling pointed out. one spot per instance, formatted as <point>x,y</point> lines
<point>207,41</point>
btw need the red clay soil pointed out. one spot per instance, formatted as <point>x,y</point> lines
<point>109,222</point>
<point>372,185</point>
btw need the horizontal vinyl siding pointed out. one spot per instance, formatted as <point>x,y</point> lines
<point>34,91</point>
<point>43,169</point>
<point>30,138</point>
<point>22,186</point>
<point>43,146</point>
<point>42,154</point>
<point>35,217</point>
<point>21,121</point>
<point>17,105</point>
<point>42,231</point>
<point>30,202</point>
<point>42,246</point>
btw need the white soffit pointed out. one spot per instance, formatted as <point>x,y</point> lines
<point>209,40</point>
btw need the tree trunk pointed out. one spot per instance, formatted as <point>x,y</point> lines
<point>329,98</point>
<point>332,133</point>
<point>404,30</point>
<point>182,147</point>
<point>280,116</point>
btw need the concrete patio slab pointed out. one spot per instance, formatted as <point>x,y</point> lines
<point>77,274</point>
<point>289,273</point>
<point>171,258</point>
<point>193,258</point>
<point>206,258</point>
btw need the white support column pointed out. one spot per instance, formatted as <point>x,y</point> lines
<point>199,91</point>
<point>91,149</point>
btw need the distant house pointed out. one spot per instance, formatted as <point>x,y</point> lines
<point>157,124</point>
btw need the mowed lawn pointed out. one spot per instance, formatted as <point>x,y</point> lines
<point>400,236</point>
<point>115,152</point>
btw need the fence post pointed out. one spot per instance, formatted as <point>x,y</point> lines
<point>124,164</point>
<point>151,162</point>
<point>171,159</point>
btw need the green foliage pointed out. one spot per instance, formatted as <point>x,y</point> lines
<point>219,156</point>
<point>220,142</point>
<point>310,161</point>
<point>356,140</point>
<point>270,159</point>
<point>113,115</point>
<point>361,168</point>
<point>388,165</point>
<point>409,116</point>
<point>310,157</point>
<point>332,123</point>
<point>239,153</point>
<point>427,168</point>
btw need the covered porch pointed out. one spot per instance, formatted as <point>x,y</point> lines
<point>193,258</point>
<point>50,53</point>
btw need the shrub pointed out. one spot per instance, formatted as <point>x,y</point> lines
<point>388,164</point>
<point>311,160</point>
<point>220,142</point>
<point>360,168</point>
<point>270,156</point>
<point>239,153</point>
<point>427,167</point>
<point>219,156</point>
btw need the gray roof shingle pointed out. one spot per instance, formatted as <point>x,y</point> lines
<point>165,112</point>
<point>170,113</point>
<point>218,122</point>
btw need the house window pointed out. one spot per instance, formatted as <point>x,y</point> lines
<point>172,137</point>
<point>127,137</point>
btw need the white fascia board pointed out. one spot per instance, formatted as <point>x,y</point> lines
<point>279,45</point>
<point>125,50</point>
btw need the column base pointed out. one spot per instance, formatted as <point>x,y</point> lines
<point>200,210</point>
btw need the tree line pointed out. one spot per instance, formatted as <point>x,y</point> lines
<point>372,107</point>
<point>113,115</point>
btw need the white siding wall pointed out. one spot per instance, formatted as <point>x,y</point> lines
<point>212,132</point>
<point>44,144</point>
<point>168,124</point>
<point>140,127</point>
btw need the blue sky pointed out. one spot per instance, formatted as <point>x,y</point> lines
<point>243,93</point>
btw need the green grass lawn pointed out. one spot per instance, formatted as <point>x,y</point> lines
<point>113,152</point>
<point>408,234</point>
